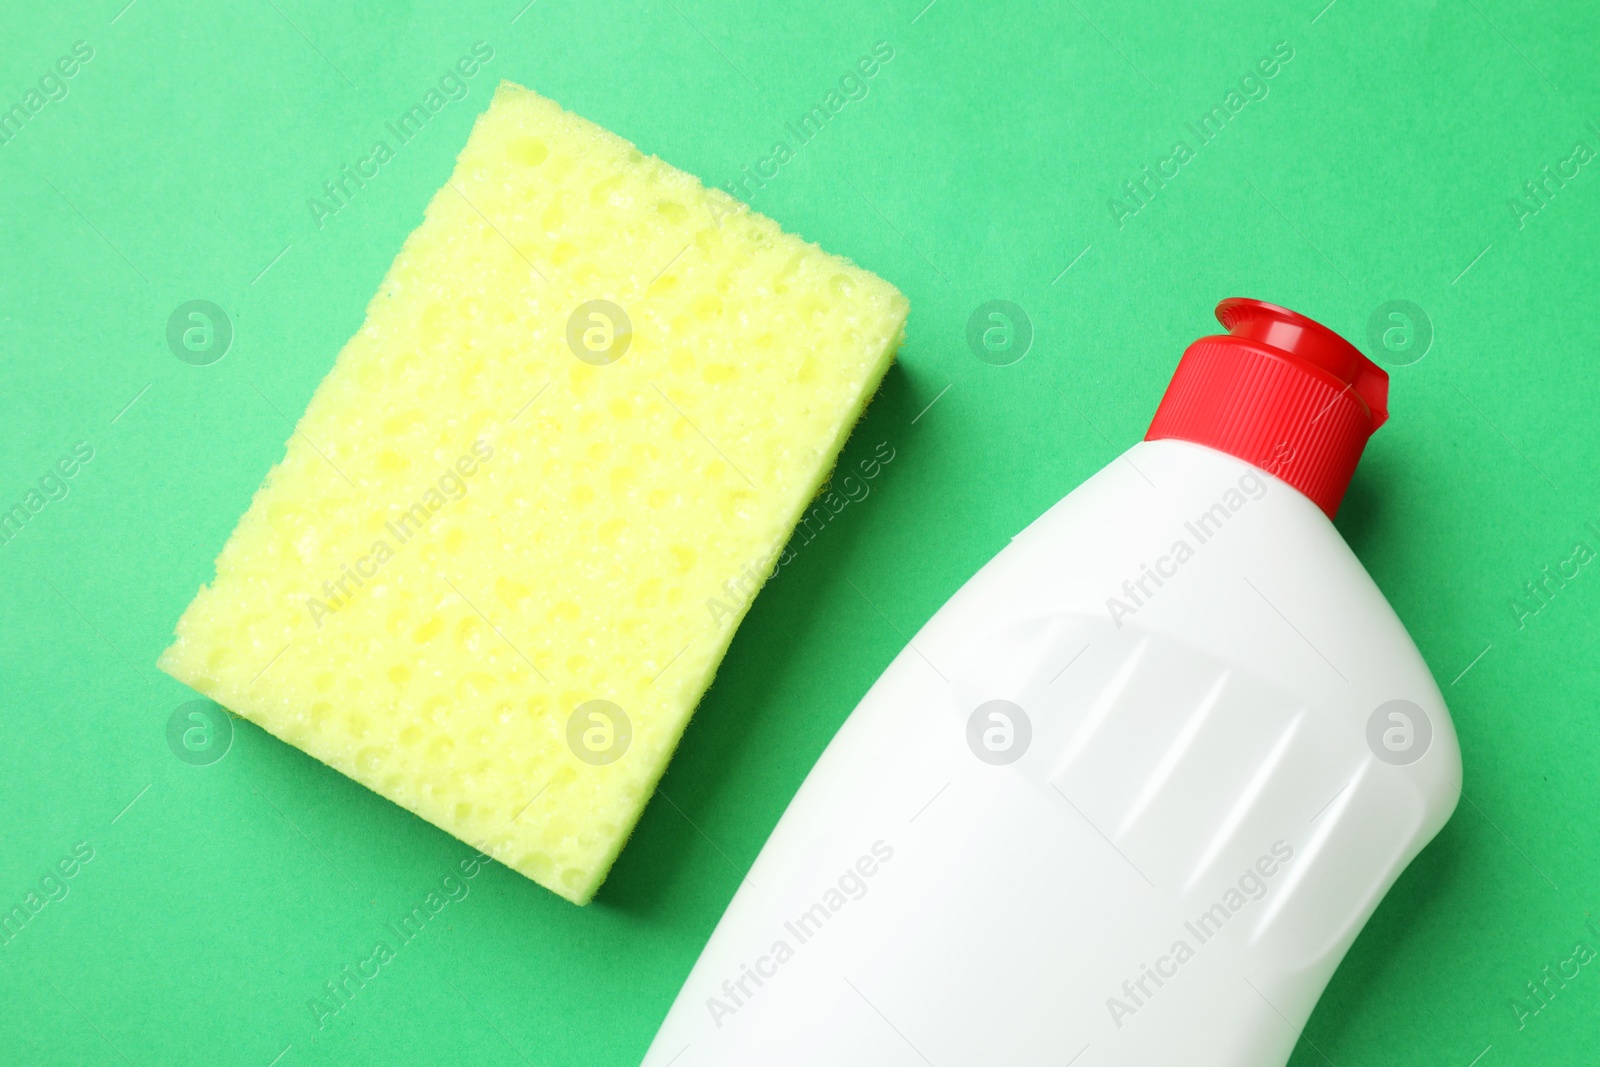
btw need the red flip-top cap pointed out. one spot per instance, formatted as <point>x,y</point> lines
<point>1281,392</point>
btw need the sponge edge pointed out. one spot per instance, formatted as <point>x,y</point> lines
<point>496,569</point>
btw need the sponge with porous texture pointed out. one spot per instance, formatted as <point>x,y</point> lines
<point>516,527</point>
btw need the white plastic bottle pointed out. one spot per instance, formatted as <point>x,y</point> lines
<point>1130,795</point>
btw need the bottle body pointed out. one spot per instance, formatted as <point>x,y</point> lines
<point>1130,796</point>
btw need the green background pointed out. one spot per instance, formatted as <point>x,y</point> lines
<point>1380,167</point>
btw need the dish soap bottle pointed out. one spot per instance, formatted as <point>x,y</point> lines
<point>1129,796</point>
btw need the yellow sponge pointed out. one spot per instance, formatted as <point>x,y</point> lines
<point>513,533</point>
